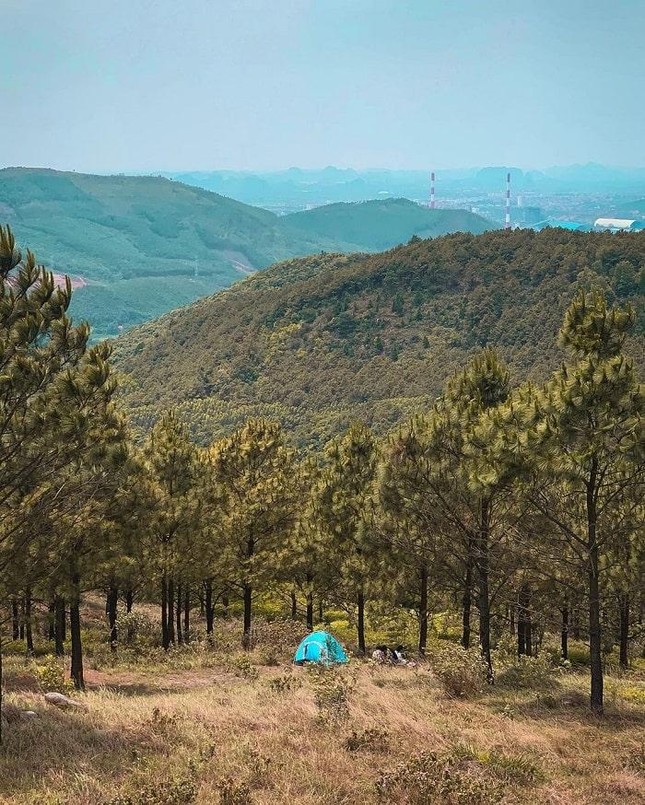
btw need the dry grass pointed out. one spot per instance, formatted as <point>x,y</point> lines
<point>217,734</point>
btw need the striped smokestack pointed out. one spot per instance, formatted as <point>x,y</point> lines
<point>507,224</point>
<point>432,190</point>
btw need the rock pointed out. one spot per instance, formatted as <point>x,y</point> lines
<point>59,700</point>
<point>11,714</point>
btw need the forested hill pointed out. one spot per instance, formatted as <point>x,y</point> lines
<point>378,225</point>
<point>145,245</point>
<point>320,341</point>
<point>139,246</point>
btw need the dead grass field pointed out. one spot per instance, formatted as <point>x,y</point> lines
<point>249,734</point>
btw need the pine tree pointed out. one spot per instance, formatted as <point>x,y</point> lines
<point>586,440</point>
<point>345,509</point>
<point>254,468</point>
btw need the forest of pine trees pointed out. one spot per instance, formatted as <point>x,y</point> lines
<point>519,508</point>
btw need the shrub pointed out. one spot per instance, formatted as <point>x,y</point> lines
<point>369,740</point>
<point>285,683</point>
<point>443,779</point>
<point>462,672</point>
<point>232,792</point>
<point>241,665</point>
<point>178,791</point>
<point>332,688</point>
<point>516,768</point>
<point>51,676</point>
<point>276,640</point>
<point>137,628</point>
<point>528,672</point>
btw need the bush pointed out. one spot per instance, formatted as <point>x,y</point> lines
<point>241,665</point>
<point>443,779</point>
<point>179,791</point>
<point>369,740</point>
<point>232,792</point>
<point>462,672</point>
<point>51,676</point>
<point>276,640</point>
<point>285,683</point>
<point>332,688</point>
<point>136,628</point>
<point>528,672</point>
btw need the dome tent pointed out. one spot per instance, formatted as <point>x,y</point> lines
<point>320,647</point>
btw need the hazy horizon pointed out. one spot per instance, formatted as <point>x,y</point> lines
<point>136,86</point>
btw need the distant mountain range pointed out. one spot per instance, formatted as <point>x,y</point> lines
<point>140,246</point>
<point>320,341</point>
<point>296,187</point>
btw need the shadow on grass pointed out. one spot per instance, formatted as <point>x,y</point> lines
<point>542,704</point>
<point>59,744</point>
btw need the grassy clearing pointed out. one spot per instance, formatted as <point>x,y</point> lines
<point>223,728</point>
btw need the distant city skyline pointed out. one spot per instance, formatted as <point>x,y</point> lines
<point>262,85</point>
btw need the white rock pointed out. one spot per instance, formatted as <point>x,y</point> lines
<point>59,700</point>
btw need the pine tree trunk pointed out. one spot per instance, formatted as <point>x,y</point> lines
<point>21,629</point>
<point>623,604</point>
<point>1,688</point>
<point>564,632</point>
<point>129,600</point>
<point>187,615</point>
<point>529,628</point>
<point>165,639</point>
<point>248,612</point>
<point>29,634</point>
<point>209,607</point>
<point>321,610</point>
<point>59,626</point>
<point>483,599</point>
<point>75,632</point>
<point>466,603</point>
<point>294,606</point>
<point>51,618</point>
<point>423,611</point>
<point>595,632</point>
<point>171,611</point>
<point>310,611</point>
<point>15,620</point>
<point>180,636</point>
<point>360,601</point>
<point>112,613</point>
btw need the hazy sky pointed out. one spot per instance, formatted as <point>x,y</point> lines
<point>118,85</point>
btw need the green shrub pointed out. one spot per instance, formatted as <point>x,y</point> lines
<point>137,629</point>
<point>284,683</point>
<point>180,791</point>
<point>232,792</point>
<point>528,672</point>
<point>442,779</point>
<point>332,688</point>
<point>51,676</point>
<point>368,740</point>
<point>462,672</point>
<point>241,665</point>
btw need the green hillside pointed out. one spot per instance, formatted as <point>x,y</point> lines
<point>146,245</point>
<point>378,225</point>
<point>320,341</point>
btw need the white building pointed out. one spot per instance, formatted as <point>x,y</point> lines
<point>618,224</point>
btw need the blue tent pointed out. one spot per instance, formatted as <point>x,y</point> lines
<point>320,647</point>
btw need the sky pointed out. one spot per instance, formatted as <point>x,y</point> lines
<point>163,85</point>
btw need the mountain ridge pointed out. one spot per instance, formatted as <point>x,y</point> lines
<point>319,341</point>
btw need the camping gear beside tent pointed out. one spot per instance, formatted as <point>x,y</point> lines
<point>320,647</point>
